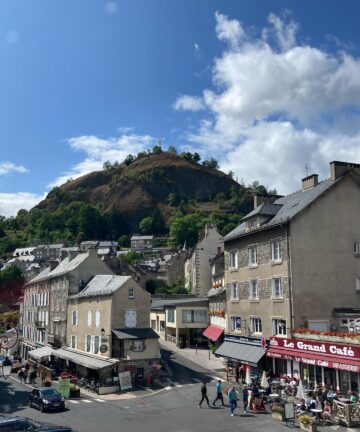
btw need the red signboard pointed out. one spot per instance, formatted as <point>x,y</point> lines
<point>326,354</point>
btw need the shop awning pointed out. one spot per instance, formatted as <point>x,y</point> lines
<point>135,333</point>
<point>213,332</point>
<point>245,353</point>
<point>39,353</point>
<point>325,360</point>
<point>87,360</point>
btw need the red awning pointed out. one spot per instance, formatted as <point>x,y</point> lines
<point>213,332</point>
<point>332,361</point>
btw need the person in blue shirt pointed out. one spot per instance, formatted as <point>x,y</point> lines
<point>232,395</point>
<point>219,395</point>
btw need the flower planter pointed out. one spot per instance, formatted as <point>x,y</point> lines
<point>278,416</point>
<point>74,393</point>
<point>308,427</point>
<point>329,338</point>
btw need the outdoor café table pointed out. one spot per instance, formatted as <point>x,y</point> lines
<point>316,411</point>
<point>273,396</point>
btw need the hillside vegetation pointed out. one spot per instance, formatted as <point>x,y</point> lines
<point>154,192</point>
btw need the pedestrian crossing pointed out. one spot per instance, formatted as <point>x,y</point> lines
<point>85,401</point>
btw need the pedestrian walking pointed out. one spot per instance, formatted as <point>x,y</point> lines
<point>232,400</point>
<point>219,395</point>
<point>21,375</point>
<point>245,398</point>
<point>25,375</point>
<point>204,395</point>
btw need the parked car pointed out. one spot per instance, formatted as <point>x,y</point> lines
<point>46,399</point>
<point>10,424</point>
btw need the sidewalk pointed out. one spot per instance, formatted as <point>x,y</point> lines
<point>200,356</point>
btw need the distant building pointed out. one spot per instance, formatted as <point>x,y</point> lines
<point>142,242</point>
<point>197,265</point>
<point>49,252</point>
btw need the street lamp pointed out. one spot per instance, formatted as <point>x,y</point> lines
<point>6,368</point>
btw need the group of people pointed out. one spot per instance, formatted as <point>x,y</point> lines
<point>27,374</point>
<point>250,396</point>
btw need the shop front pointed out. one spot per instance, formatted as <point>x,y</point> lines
<point>326,363</point>
<point>249,351</point>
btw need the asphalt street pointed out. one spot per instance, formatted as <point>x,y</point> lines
<point>172,409</point>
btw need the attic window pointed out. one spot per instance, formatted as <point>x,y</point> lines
<point>252,223</point>
<point>131,293</point>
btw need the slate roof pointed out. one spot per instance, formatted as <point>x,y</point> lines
<point>41,276</point>
<point>102,285</point>
<point>288,207</point>
<point>135,333</point>
<point>264,209</point>
<point>194,301</point>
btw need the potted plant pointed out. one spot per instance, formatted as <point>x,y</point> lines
<point>46,383</point>
<point>307,423</point>
<point>74,391</point>
<point>278,412</point>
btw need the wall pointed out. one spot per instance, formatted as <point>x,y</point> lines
<point>265,308</point>
<point>152,350</point>
<point>324,267</point>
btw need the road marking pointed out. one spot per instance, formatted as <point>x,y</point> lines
<point>73,401</point>
<point>100,400</point>
<point>86,400</point>
<point>178,385</point>
<point>21,382</point>
<point>197,380</point>
<point>168,388</point>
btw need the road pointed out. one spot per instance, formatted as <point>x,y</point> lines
<point>173,409</point>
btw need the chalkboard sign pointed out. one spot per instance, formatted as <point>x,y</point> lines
<point>289,411</point>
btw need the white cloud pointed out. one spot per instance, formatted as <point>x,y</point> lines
<point>276,105</point>
<point>11,203</point>
<point>9,167</point>
<point>189,103</point>
<point>12,37</point>
<point>98,150</point>
<point>111,7</point>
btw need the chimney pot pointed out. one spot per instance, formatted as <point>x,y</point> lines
<point>338,169</point>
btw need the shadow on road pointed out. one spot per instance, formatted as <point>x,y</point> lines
<point>12,399</point>
<point>183,370</point>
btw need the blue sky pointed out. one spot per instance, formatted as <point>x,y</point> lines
<point>263,86</point>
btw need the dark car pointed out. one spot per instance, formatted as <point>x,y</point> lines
<point>10,424</point>
<point>46,399</point>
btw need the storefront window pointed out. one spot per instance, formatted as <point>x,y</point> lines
<point>344,382</point>
<point>354,383</point>
<point>318,374</point>
<point>330,377</point>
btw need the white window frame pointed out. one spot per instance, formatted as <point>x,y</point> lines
<point>234,291</point>
<point>357,284</point>
<point>279,326</point>
<point>357,248</point>
<point>253,283</point>
<point>131,293</point>
<point>274,294</point>
<point>234,260</point>
<point>252,256</point>
<point>89,318</point>
<point>74,315</point>
<point>256,325</point>
<point>74,342</point>
<point>276,256</point>
<point>138,345</point>
<point>97,318</point>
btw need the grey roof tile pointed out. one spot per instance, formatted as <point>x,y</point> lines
<point>102,285</point>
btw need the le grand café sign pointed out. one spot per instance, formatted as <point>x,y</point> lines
<point>332,352</point>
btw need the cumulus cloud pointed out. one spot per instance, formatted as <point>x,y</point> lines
<point>276,104</point>
<point>11,203</point>
<point>9,167</point>
<point>98,150</point>
<point>189,103</point>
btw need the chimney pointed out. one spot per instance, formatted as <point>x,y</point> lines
<point>267,199</point>
<point>338,169</point>
<point>72,254</point>
<point>309,181</point>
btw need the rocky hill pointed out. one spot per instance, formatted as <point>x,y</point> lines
<point>137,190</point>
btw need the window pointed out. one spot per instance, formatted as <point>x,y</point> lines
<point>255,325</point>
<point>277,290</point>
<point>96,347</point>
<point>357,284</point>
<point>97,318</point>
<point>131,293</point>
<point>279,327</point>
<point>276,251</point>
<point>194,316</point>
<point>252,223</point>
<point>88,343</point>
<point>89,318</point>
<point>234,291</point>
<point>138,345</point>
<point>252,251</point>
<point>74,320</point>
<point>170,315</point>
<point>357,248</point>
<point>235,323</point>
<point>73,342</point>
<point>253,290</point>
<point>233,260</point>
